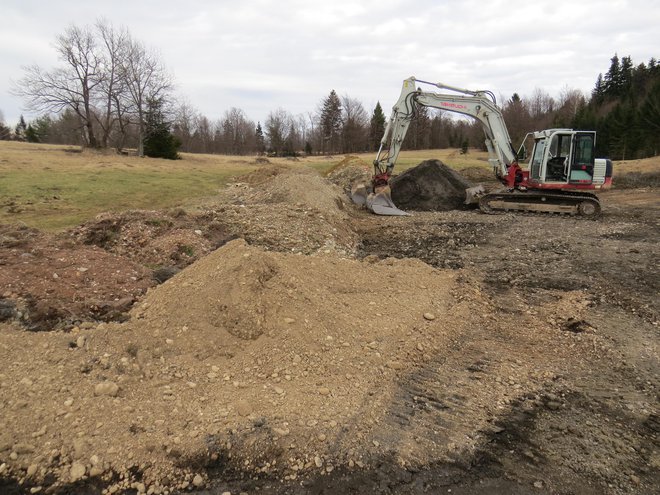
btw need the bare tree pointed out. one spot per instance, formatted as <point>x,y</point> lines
<point>355,122</point>
<point>278,128</point>
<point>184,124</point>
<point>112,87</point>
<point>146,80</point>
<point>71,86</point>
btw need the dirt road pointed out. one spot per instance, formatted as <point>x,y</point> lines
<point>465,353</point>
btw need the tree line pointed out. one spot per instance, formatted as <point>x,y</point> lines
<point>110,90</point>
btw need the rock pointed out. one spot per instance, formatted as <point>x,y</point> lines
<point>7,310</point>
<point>324,391</point>
<point>289,321</point>
<point>538,484</point>
<point>23,448</point>
<point>429,316</point>
<point>278,390</point>
<point>106,388</point>
<point>95,471</point>
<point>32,470</point>
<point>553,405</point>
<point>164,273</point>
<point>76,472</point>
<point>318,461</point>
<point>243,407</point>
<point>395,365</point>
<point>80,341</point>
<point>198,481</point>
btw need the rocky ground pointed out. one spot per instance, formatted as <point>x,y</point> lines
<point>281,340</point>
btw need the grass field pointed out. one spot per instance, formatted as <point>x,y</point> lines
<point>54,187</point>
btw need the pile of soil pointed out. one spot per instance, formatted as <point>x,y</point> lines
<point>430,186</point>
<point>288,210</point>
<point>263,369</point>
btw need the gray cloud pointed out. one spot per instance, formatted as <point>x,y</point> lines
<point>263,55</point>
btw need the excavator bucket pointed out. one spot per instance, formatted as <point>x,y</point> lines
<point>380,202</point>
<point>472,194</point>
<point>359,194</point>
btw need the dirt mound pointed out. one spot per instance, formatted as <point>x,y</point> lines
<point>430,186</point>
<point>259,341</point>
<point>294,210</point>
<point>349,171</point>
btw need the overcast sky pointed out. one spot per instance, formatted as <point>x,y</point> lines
<point>262,55</point>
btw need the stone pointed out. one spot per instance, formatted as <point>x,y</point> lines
<point>107,388</point>
<point>77,471</point>
<point>23,448</point>
<point>538,484</point>
<point>324,391</point>
<point>429,316</point>
<point>32,470</point>
<point>243,407</point>
<point>80,341</point>
<point>198,481</point>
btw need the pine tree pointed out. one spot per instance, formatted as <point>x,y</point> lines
<point>331,122</point>
<point>159,142</point>
<point>31,135</point>
<point>376,127</point>
<point>260,140</point>
<point>599,90</point>
<point>19,131</point>
<point>612,80</point>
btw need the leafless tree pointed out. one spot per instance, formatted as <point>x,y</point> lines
<point>354,125</point>
<point>71,86</point>
<point>146,80</point>
<point>184,125</point>
<point>112,87</point>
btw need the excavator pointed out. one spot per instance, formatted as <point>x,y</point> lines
<point>560,177</point>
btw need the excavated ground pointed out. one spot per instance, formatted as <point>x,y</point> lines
<point>322,349</point>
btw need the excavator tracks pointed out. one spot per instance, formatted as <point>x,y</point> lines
<point>581,204</point>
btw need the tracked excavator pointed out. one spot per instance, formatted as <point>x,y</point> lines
<point>561,175</point>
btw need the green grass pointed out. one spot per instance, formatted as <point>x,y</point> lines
<point>56,199</point>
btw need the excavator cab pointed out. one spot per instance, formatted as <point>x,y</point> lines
<point>562,156</point>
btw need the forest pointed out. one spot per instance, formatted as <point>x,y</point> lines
<point>117,94</point>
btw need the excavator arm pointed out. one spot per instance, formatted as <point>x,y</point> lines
<point>480,105</point>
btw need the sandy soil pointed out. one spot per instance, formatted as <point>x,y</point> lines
<point>321,349</point>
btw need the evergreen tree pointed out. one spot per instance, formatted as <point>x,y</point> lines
<point>649,119</point>
<point>19,131</point>
<point>331,122</point>
<point>599,90</point>
<point>31,135</point>
<point>376,127</point>
<point>159,142</point>
<point>612,80</point>
<point>260,139</point>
